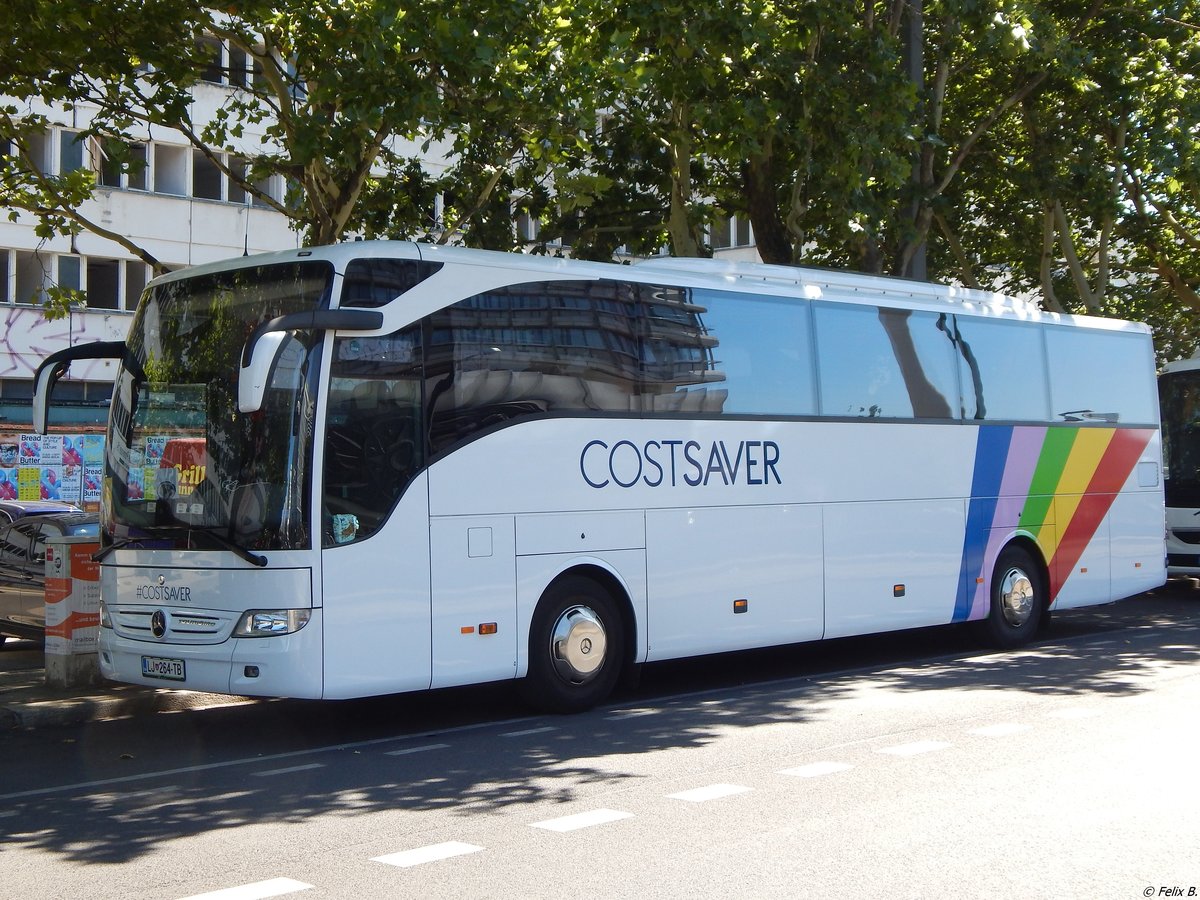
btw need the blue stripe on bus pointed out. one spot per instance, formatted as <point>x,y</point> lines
<point>991,454</point>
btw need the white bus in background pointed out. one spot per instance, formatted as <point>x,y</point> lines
<point>427,467</point>
<point>1179,393</point>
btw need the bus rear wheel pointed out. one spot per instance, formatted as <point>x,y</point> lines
<point>1018,599</point>
<point>576,647</point>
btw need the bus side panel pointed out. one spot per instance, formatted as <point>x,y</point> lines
<point>473,584</point>
<point>1085,581</point>
<point>700,561</point>
<point>891,565</point>
<point>376,605</point>
<point>1138,558</point>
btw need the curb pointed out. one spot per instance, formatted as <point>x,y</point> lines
<point>78,710</point>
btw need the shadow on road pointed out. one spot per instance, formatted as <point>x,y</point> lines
<point>204,785</point>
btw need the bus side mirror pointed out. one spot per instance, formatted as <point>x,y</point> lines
<point>253,377</point>
<point>264,347</point>
<point>47,377</point>
<point>55,366</point>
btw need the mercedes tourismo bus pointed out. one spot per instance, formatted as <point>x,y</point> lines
<point>1179,392</point>
<point>426,467</point>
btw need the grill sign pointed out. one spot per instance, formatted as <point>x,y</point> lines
<point>163,593</point>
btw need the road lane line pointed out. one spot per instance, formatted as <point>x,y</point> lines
<point>712,792</point>
<point>275,887</point>
<point>583,820</point>
<point>528,731</point>
<point>1003,729</point>
<point>434,852</point>
<point>622,714</point>
<point>289,770</point>
<point>424,748</point>
<point>914,749</point>
<point>817,769</point>
<point>1074,712</point>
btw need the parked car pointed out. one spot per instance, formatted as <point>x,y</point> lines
<point>12,510</point>
<point>23,568</point>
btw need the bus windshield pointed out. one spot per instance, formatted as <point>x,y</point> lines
<point>1179,394</point>
<point>184,468</point>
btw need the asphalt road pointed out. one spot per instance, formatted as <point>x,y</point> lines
<point>911,765</point>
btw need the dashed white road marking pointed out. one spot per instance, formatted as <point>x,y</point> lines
<point>712,792</point>
<point>1074,712</point>
<point>915,748</point>
<point>289,770</point>
<point>583,820</point>
<point>432,853</point>
<point>424,748</point>
<point>631,714</point>
<point>817,769</point>
<point>275,887</point>
<point>1003,729</point>
<point>527,731</point>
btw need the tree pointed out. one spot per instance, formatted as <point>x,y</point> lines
<point>346,94</point>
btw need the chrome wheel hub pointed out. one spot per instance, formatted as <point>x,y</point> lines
<point>1016,597</point>
<point>578,644</point>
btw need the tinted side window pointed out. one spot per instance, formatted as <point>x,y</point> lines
<point>1101,376</point>
<point>1003,370</point>
<point>719,352</point>
<point>376,282</point>
<point>374,431</point>
<point>530,349</point>
<point>888,363</point>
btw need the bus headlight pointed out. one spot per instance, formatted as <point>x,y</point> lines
<point>105,620</point>
<point>271,622</point>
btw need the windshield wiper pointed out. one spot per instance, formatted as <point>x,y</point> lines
<point>248,555</point>
<point>115,545</point>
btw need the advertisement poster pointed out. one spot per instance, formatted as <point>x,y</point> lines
<point>10,452</point>
<point>51,481</point>
<point>137,484</point>
<point>29,483</point>
<point>8,484</point>
<point>72,450</point>
<point>93,449</point>
<point>91,482</point>
<point>71,484</point>
<point>31,449</point>
<point>149,485</point>
<point>52,450</point>
<point>154,451</point>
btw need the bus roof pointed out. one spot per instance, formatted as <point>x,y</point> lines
<point>713,274</point>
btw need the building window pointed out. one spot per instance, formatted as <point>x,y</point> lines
<point>103,283</point>
<point>137,274</point>
<point>206,177</point>
<point>170,170</point>
<point>70,273</point>
<point>30,277</point>
<point>6,276</point>
<point>212,64</point>
<point>727,232</point>
<point>70,152</point>
<point>121,165</point>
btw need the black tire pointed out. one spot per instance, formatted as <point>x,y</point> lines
<point>1018,599</point>
<point>576,647</point>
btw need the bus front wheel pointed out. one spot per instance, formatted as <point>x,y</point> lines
<point>1018,599</point>
<point>576,647</point>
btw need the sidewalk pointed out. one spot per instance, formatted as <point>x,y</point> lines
<point>26,701</point>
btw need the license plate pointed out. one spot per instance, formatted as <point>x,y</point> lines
<point>158,667</point>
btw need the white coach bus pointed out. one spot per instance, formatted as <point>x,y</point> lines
<point>382,467</point>
<point>1179,391</point>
